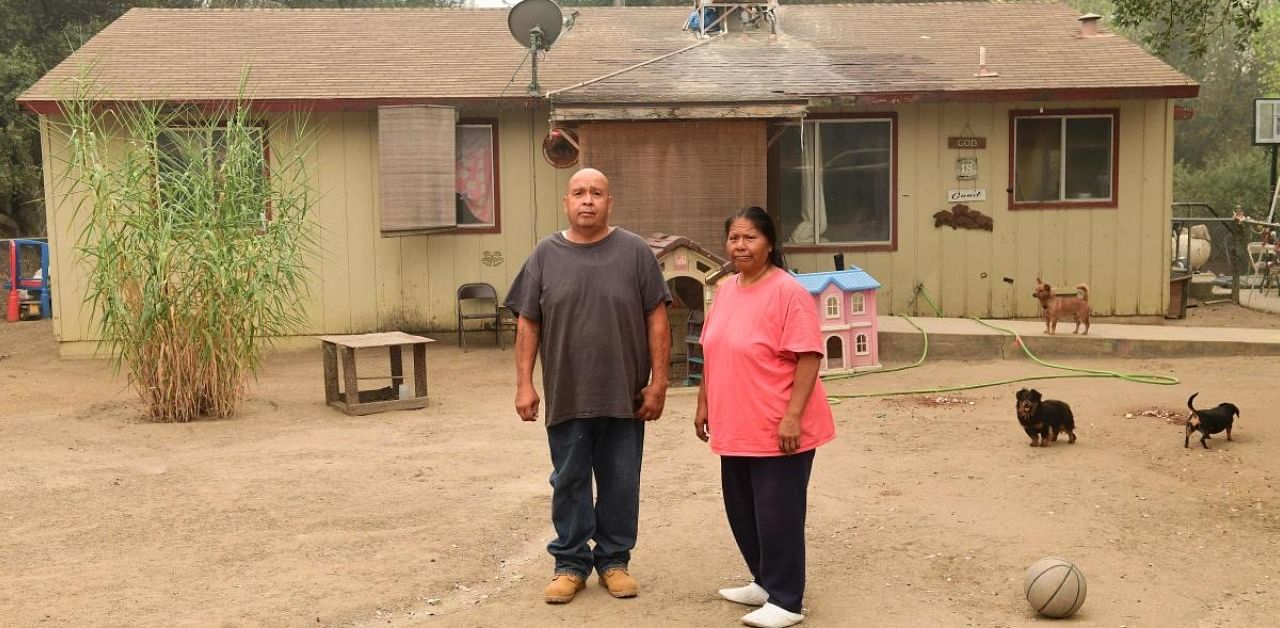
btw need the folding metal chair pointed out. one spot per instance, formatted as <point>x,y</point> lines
<point>479,294</point>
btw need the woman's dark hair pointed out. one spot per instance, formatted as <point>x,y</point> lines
<point>764,224</point>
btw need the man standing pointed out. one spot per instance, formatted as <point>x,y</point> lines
<point>592,302</point>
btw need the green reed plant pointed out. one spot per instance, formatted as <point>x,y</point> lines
<point>195,237</point>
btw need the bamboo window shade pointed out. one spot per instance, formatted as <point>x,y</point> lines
<point>679,178</point>
<point>416,163</point>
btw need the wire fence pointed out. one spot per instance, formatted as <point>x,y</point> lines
<point>1224,236</point>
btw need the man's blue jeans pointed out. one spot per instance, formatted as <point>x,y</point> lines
<point>609,449</point>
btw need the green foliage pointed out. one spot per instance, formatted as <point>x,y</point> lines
<point>1266,47</point>
<point>1229,178</point>
<point>196,254</point>
<point>34,36</point>
<point>1189,23</point>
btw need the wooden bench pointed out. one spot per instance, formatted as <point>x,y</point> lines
<point>355,402</point>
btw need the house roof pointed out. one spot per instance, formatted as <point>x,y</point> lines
<point>662,244</point>
<point>342,58</point>
<point>893,52</point>
<point>852,278</point>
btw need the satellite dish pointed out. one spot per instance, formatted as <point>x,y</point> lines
<point>560,148</point>
<point>535,24</point>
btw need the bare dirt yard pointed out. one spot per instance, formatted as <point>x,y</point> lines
<point>924,512</point>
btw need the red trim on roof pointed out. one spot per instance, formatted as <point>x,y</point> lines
<point>48,107</point>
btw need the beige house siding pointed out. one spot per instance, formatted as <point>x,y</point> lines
<point>368,282</point>
<point>364,282</point>
<point>1121,253</point>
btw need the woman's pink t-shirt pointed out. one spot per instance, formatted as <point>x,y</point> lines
<point>750,340</point>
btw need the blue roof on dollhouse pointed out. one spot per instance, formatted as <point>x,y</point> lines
<point>851,279</point>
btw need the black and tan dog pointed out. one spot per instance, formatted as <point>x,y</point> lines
<point>1210,421</point>
<point>1042,419</point>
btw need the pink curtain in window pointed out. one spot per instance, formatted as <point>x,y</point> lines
<point>475,171</point>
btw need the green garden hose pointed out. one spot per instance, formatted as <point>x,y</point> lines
<point>1140,378</point>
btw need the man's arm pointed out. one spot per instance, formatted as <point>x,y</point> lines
<point>655,394</point>
<point>528,334</point>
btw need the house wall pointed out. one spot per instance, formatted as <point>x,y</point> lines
<point>1122,253</point>
<point>365,282</point>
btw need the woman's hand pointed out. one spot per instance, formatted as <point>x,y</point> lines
<point>789,433</point>
<point>703,412</point>
<point>700,426</point>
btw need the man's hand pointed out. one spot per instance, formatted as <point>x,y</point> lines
<point>528,334</point>
<point>789,434</point>
<point>527,403</point>
<point>652,399</point>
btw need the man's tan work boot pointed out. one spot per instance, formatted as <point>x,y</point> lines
<point>563,587</point>
<point>619,582</point>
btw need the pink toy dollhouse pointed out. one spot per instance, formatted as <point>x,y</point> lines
<point>846,302</point>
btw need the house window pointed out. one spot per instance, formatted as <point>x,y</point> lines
<point>835,353</point>
<point>832,182</point>
<point>1064,159</point>
<point>833,307</point>
<point>476,153</point>
<point>436,173</point>
<point>186,156</point>
<point>860,345</point>
<point>858,303</point>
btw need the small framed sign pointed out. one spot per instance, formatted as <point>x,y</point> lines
<point>1266,121</point>
<point>966,196</point>
<point>966,143</point>
<point>967,168</point>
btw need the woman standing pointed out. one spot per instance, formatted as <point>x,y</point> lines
<point>764,412</point>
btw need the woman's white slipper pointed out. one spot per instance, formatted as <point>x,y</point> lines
<point>752,595</point>
<point>770,616</point>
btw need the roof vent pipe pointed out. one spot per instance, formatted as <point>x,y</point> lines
<point>1089,24</point>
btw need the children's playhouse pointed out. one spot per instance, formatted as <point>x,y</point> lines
<point>846,302</point>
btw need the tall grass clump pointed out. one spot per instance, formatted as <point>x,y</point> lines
<point>195,237</point>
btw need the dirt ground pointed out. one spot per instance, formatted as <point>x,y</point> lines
<point>924,512</point>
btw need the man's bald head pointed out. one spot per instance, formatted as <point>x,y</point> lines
<point>587,204</point>
<point>587,175</point>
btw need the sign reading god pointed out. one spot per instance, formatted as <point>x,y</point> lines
<point>966,143</point>
<point>965,196</point>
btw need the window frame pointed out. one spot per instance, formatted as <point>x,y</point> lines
<point>494,135</point>
<point>264,130</point>
<point>1063,115</point>
<point>857,303</point>
<point>865,344</point>
<point>832,302</point>
<point>894,153</point>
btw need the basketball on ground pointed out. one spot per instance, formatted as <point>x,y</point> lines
<point>1054,587</point>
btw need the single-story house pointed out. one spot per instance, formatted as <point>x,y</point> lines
<point>854,125</point>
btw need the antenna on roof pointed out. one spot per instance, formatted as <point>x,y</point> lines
<point>535,24</point>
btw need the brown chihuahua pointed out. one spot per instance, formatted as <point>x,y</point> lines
<point>1056,307</point>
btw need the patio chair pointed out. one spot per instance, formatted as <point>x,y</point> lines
<point>483,306</point>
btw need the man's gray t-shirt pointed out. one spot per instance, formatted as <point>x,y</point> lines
<point>592,301</point>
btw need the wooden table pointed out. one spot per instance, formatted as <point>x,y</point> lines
<point>351,399</point>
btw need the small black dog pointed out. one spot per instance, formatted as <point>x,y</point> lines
<point>1209,421</point>
<point>1042,419</point>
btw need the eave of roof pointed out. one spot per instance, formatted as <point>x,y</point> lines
<point>826,55</point>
